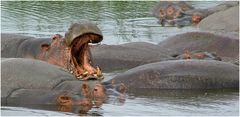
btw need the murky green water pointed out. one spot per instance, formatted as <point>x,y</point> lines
<point>120,22</point>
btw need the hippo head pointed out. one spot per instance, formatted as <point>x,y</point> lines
<point>73,52</point>
<point>172,13</point>
<point>198,55</point>
<point>89,96</point>
<point>80,29</point>
<point>77,38</point>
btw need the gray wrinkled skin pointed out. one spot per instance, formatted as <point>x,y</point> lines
<point>181,74</point>
<point>126,56</point>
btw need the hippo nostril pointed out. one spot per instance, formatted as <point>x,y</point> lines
<point>64,100</point>
<point>95,89</point>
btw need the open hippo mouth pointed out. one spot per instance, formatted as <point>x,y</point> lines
<point>81,58</point>
<point>78,37</point>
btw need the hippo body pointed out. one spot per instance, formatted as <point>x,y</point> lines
<point>221,21</point>
<point>36,75</point>
<point>18,46</point>
<point>126,56</point>
<point>41,83</point>
<point>181,74</point>
<point>37,84</point>
<point>225,47</point>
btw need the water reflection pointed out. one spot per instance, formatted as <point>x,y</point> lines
<point>178,103</point>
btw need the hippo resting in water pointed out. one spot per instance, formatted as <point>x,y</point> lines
<point>126,56</point>
<point>71,53</point>
<point>42,85</point>
<point>180,13</point>
<point>108,57</point>
<point>181,74</point>
<point>225,47</point>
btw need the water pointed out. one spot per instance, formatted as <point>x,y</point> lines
<point>120,22</point>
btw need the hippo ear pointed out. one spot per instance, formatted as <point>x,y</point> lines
<point>45,47</point>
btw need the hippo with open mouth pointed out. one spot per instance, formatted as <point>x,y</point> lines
<point>71,52</point>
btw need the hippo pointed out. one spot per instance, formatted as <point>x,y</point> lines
<point>109,57</point>
<point>125,56</point>
<point>71,52</point>
<point>221,22</point>
<point>42,84</point>
<point>198,55</point>
<point>181,74</point>
<point>180,13</point>
<point>171,13</point>
<point>223,46</point>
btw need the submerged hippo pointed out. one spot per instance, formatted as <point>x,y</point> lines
<point>180,13</point>
<point>181,74</point>
<point>198,55</point>
<point>42,85</point>
<point>172,13</point>
<point>71,53</point>
<point>224,47</point>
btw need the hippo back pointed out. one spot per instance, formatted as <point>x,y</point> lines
<point>19,46</point>
<point>18,73</point>
<point>181,74</point>
<point>223,46</point>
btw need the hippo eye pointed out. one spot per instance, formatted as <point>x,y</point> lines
<point>170,10</point>
<point>162,13</point>
<point>95,89</point>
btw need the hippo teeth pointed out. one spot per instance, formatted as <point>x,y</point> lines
<point>80,59</point>
<point>80,77</point>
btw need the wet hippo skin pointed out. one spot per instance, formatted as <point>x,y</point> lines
<point>181,74</point>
